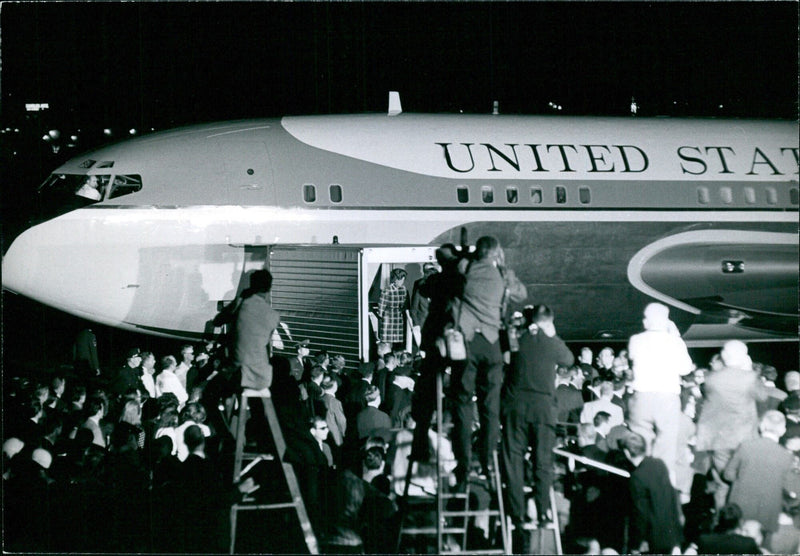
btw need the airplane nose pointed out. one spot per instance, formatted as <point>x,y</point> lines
<point>19,264</point>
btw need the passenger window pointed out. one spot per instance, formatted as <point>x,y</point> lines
<point>487,193</point>
<point>726,194</point>
<point>463,194</point>
<point>772,196</point>
<point>794,196</point>
<point>561,195</point>
<point>536,196</point>
<point>336,193</point>
<point>512,195</point>
<point>702,195</point>
<point>750,195</point>
<point>125,185</point>
<point>585,195</point>
<point>309,193</point>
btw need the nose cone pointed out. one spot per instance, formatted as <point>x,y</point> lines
<point>19,263</point>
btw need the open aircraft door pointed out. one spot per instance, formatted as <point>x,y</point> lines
<point>328,293</point>
<point>374,266</point>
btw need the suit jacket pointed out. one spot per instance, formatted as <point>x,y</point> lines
<point>373,422</point>
<point>335,418</point>
<point>655,507</point>
<point>99,437</point>
<point>726,543</point>
<point>756,471</point>
<point>569,403</point>
<point>729,415</point>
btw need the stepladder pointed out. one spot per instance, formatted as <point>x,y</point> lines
<point>543,539</point>
<point>246,459</point>
<point>466,518</point>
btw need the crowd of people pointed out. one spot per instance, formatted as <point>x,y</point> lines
<point>140,459</point>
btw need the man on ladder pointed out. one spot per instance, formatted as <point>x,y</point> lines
<point>529,413</point>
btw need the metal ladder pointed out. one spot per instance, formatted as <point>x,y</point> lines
<point>288,472</point>
<point>442,527</point>
<point>539,543</point>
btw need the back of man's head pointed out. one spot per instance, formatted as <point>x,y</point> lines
<point>372,395</point>
<point>729,518</point>
<point>587,435</point>
<point>734,354</point>
<point>602,420</point>
<point>261,280</point>
<point>656,317</point>
<point>485,246</point>
<point>541,314</point>
<point>773,424</point>
<point>792,381</point>
<point>634,444</point>
<point>193,438</point>
<point>606,389</point>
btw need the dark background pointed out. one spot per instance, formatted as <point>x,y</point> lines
<point>152,65</point>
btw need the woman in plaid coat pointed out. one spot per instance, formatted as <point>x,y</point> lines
<point>391,308</point>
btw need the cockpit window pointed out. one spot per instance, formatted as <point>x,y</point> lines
<point>89,189</point>
<point>124,185</point>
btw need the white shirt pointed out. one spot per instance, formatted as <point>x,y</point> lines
<point>180,371</point>
<point>659,358</point>
<point>149,384</point>
<point>590,409</point>
<point>177,438</point>
<point>168,382</point>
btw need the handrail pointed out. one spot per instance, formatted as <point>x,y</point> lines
<point>592,462</point>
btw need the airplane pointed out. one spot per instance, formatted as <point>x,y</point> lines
<point>597,215</point>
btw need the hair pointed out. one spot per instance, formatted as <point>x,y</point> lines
<point>315,420</point>
<point>95,403</point>
<point>167,362</point>
<point>260,281</point>
<point>53,422</point>
<point>321,356</point>
<point>729,518</point>
<point>57,381</point>
<point>77,392</point>
<point>634,443</point>
<point>446,254</point>
<point>193,437</point>
<point>656,316</point>
<point>606,389</point>
<point>374,457</point>
<point>131,413</point>
<point>485,246</point>
<point>194,412</point>
<point>372,393</point>
<point>734,354</point>
<point>405,358</point>
<point>338,362</point>
<point>792,380</point>
<point>328,383</point>
<point>540,314</point>
<point>601,418</point>
<point>769,372</point>
<point>391,357</point>
<point>184,347</point>
<point>167,418</point>
<point>773,422</point>
<point>316,372</point>
<point>398,274</point>
<point>145,354</point>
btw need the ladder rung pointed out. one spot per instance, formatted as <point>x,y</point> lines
<point>277,506</point>
<point>432,531</point>
<point>471,513</point>
<point>455,495</point>
<point>255,455</point>
<point>482,551</point>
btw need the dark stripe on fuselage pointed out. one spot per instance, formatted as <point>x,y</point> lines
<point>470,208</point>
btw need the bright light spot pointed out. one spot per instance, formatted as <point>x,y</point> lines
<point>45,137</point>
<point>73,137</point>
<point>107,131</point>
<point>54,133</point>
<point>559,107</point>
<point>36,106</point>
<point>720,106</point>
<point>132,131</point>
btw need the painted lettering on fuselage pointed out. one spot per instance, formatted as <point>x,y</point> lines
<point>559,158</point>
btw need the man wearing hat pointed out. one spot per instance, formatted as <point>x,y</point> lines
<point>128,376</point>
<point>298,365</point>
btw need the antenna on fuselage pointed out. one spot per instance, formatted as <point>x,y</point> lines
<point>394,104</point>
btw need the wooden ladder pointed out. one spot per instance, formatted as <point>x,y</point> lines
<point>241,457</point>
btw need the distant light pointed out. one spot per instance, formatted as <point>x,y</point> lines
<point>46,137</point>
<point>16,130</point>
<point>720,106</point>
<point>107,132</point>
<point>559,107</point>
<point>36,106</point>
<point>152,129</point>
<point>132,131</point>
<point>54,133</point>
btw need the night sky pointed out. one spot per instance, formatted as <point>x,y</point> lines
<point>157,64</point>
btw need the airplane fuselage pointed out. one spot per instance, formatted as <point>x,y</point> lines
<point>597,215</point>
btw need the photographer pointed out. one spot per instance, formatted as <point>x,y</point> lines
<point>488,285</point>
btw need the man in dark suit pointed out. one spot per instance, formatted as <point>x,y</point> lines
<point>727,538</point>
<point>127,377</point>
<point>529,412</point>
<point>655,523</point>
<point>371,421</point>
